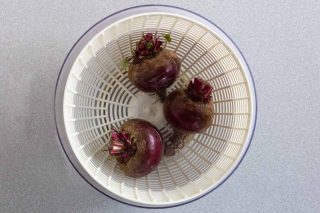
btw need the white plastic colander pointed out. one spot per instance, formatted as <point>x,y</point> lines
<point>93,94</point>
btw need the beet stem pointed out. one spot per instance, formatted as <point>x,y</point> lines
<point>122,145</point>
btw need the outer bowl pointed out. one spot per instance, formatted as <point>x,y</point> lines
<point>93,94</point>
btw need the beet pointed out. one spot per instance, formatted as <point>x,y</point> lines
<point>188,111</point>
<point>138,147</point>
<point>153,69</point>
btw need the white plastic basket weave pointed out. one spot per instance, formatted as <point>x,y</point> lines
<point>93,94</point>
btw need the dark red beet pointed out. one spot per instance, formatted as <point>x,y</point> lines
<point>138,147</point>
<point>188,111</point>
<point>153,69</point>
<point>155,74</point>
